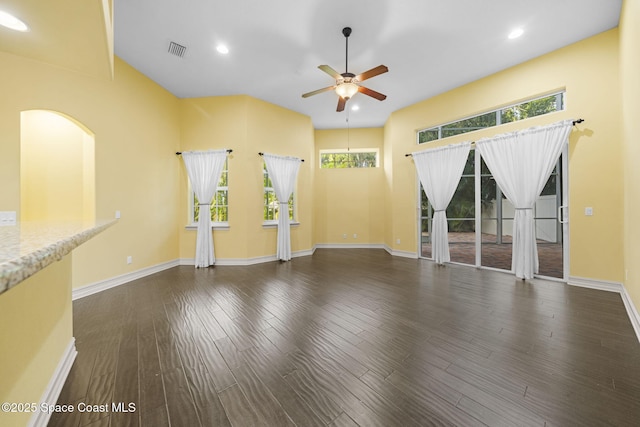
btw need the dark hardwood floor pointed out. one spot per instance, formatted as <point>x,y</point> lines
<point>352,338</point>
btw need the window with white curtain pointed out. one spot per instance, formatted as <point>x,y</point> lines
<point>271,205</point>
<point>219,204</point>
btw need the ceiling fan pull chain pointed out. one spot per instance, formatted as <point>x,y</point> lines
<point>348,133</point>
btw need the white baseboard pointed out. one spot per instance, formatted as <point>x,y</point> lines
<point>349,246</point>
<point>601,285</point>
<point>617,287</point>
<point>103,285</point>
<point>247,261</point>
<point>52,392</point>
<point>631,311</point>
<point>404,254</point>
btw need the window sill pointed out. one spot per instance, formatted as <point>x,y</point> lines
<point>274,224</point>
<point>218,226</point>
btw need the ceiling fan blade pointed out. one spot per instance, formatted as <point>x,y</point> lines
<point>315,92</point>
<point>372,93</point>
<point>341,104</point>
<point>380,69</point>
<point>333,73</point>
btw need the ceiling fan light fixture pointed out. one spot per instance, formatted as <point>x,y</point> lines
<point>346,90</point>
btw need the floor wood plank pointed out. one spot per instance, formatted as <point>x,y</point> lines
<point>352,338</point>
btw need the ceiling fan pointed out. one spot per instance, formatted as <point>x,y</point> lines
<point>347,83</point>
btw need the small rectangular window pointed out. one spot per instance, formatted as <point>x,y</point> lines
<point>342,159</point>
<point>469,125</point>
<point>530,108</point>
<point>535,107</point>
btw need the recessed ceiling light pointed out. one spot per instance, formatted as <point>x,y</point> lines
<point>355,108</point>
<point>222,49</point>
<point>11,22</point>
<point>516,33</point>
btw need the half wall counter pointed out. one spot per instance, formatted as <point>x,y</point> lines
<point>37,348</point>
<point>28,247</point>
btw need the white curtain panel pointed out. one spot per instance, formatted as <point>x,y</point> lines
<point>521,163</point>
<point>204,169</point>
<point>283,172</point>
<point>439,170</point>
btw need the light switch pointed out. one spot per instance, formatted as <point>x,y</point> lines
<point>7,218</point>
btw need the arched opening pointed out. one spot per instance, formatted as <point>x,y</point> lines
<point>57,168</point>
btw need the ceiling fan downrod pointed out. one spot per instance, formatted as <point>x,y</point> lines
<point>346,32</point>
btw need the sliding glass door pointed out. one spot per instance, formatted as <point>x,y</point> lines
<point>480,221</point>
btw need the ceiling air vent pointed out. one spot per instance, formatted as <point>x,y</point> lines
<point>177,49</point>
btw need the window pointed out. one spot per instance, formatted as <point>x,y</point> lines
<point>524,110</point>
<point>356,158</point>
<point>220,202</point>
<point>271,205</point>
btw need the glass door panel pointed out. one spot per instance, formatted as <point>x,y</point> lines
<point>426,217</point>
<point>462,223</point>
<point>549,236</point>
<point>460,216</point>
<point>497,223</point>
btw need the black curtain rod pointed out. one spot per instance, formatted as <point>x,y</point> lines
<point>575,122</point>
<point>262,154</point>
<point>180,152</point>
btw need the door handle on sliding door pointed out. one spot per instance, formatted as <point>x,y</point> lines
<point>561,218</point>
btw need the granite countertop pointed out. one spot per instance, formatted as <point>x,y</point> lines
<point>28,247</point>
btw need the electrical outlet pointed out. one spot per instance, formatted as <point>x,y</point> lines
<point>355,236</point>
<point>129,259</point>
<point>397,241</point>
<point>588,211</point>
<point>7,218</point>
<point>344,236</point>
<point>117,214</point>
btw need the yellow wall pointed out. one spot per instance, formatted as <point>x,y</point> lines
<point>136,130</point>
<point>349,201</point>
<point>57,169</point>
<point>36,330</point>
<point>247,126</point>
<point>596,241</point>
<point>630,79</point>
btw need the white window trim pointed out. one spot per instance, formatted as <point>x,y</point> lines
<point>214,226</point>
<point>274,223</point>
<point>192,225</point>
<point>267,223</point>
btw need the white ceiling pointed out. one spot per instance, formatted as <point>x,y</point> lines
<point>430,46</point>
